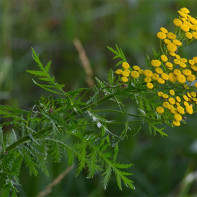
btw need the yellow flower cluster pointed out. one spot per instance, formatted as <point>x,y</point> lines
<point>170,71</point>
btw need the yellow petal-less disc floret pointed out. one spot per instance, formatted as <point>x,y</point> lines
<point>172,92</point>
<point>136,67</point>
<point>135,74</point>
<point>191,78</point>
<point>155,63</point>
<point>164,58</point>
<point>189,109</point>
<point>155,76</point>
<point>181,78</point>
<point>188,35</point>
<point>177,42</point>
<point>161,81</point>
<point>172,77</point>
<point>161,35</point>
<point>125,73</point>
<point>165,76</point>
<point>160,110</point>
<point>171,47</point>
<point>177,117</point>
<point>119,71</point>
<point>171,100</point>
<point>177,22</point>
<point>176,123</point>
<point>125,65</point>
<point>149,85</point>
<point>171,35</point>
<point>148,73</point>
<point>164,30</point>
<point>158,70</point>
<point>124,79</point>
<point>147,79</point>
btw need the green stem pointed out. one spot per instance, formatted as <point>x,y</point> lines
<point>116,111</point>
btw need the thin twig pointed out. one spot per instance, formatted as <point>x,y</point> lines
<point>55,182</point>
<point>85,62</point>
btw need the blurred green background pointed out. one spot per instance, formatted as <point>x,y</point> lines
<point>162,166</point>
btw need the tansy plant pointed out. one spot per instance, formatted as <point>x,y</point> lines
<point>74,125</point>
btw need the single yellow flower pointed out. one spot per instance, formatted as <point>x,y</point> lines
<point>125,65</point>
<point>135,74</point>
<point>160,110</point>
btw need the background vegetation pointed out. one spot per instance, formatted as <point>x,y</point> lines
<point>161,165</point>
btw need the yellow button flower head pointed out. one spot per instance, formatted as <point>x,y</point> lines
<point>186,103</point>
<point>193,94</point>
<point>119,71</point>
<point>194,34</point>
<point>171,47</point>
<point>178,99</point>
<point>189,109</point>
<point>191,78</point>
<point>192,62</point>
<point>185,98</point>
<point>160,93</point>
<point>184,60</point>
<point>176,61</point>
<point>155,63</point>
<point>185,27</point>
<point>178,57</point>
<point>194,68</point>
<point>189,95</point>
<point>177,72</point>
<point>164,58</point>
<point>172,77</point>
<point>193,20</point>
<point>180,110</point>
<point>125,65</point>
<point>184,15</point>
<point>136,67</point>
<point>181,79</point>
<point>155,76</point>
<point>182,65</point>
<point>149,85</point>
<point>161,35</point>
<point>171,35</point>
<point>173,110</point>
<point>171,100</point>
<point>177,117</point>
<point>188,35</point>
<point>125,73</point>
<point>172,92</point>
<point>176,123</point>
<point>135,74</point>
<point>166,104</point>
<point>177,42</point>
<point>186,72</point>
<point>169,64</point>
<point>161,81</point>
<point>124,79</point>
<point>167,41</point>
<point>165,96</point>
<point>160,110</point>
<point>148,73</point>
<point>147,79</point>
<point>195,59</point>
<point>158,70</point>
<point>177,22</point>
<point>185,10</point>
<point>164,30</point>
<point>165,76</point>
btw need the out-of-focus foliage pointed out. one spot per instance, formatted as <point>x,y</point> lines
<point>50,26</point>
